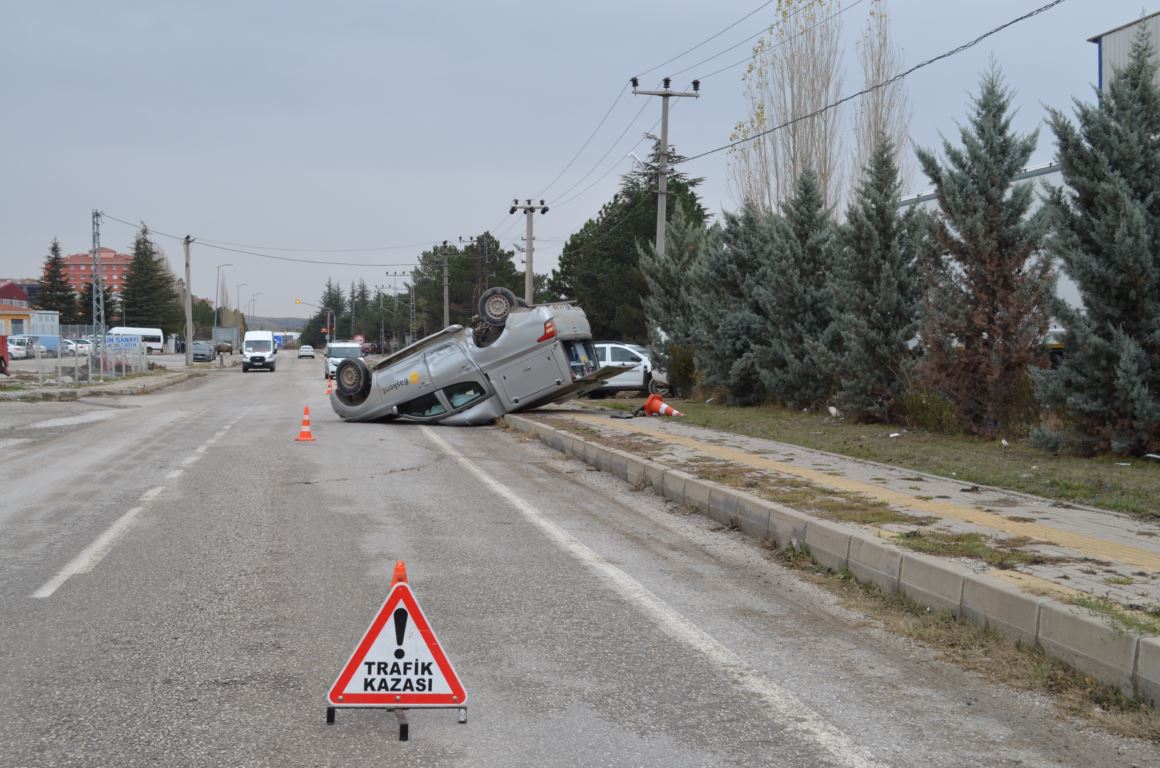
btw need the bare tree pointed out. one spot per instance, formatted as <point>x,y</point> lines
<point>883,112</point>
<point>794,74</point>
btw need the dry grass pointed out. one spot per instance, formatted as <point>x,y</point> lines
<point>1099,482</point>
<point>1005,553</point>
<point>988,653</point>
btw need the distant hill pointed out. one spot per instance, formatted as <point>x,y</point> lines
<point>276,323</point>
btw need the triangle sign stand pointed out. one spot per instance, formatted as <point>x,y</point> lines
<point>398,664</point>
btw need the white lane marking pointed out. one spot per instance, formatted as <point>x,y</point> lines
<point>68,421</point>
<point>151,494</point>
<point>787,709</point>
<point>190,460</point>
<point>200,449</point>
<point>174,474</point>
<point>90,555</point>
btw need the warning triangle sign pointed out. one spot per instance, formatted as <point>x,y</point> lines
<point>399,662</point>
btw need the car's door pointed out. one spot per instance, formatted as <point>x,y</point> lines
<point>630,362</point>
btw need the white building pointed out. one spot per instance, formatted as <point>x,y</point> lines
<point>1115,46</point>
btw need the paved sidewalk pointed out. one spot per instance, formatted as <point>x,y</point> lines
<point>1088,551</point>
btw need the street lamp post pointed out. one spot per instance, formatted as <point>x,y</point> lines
<point>254,303</point>
<point>329,315</point>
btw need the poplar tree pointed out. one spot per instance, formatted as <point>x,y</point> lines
<point>876,304</point>
<point>55,292</point>
<point>792,295</point>
<point>988,284</point>
<point>149,295</point>
<point>1107,238</point>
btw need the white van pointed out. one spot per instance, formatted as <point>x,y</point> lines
<point>151,338</point>
<point>259,351</point>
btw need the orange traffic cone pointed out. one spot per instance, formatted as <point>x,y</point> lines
<point>329,386</point>
<point>400,574</point>
<point>305,435</point>
<point>655,406</point>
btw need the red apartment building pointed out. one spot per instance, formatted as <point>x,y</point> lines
<point>78,268</point>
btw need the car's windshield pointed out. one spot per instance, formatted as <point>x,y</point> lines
<point>344,352</point>
<point>258,346</point>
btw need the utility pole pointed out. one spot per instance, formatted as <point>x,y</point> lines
<point>446,295</point>
<point>529,275</point>
<point>186,242</point>
<point>663,162</point>
<point>98,298</point>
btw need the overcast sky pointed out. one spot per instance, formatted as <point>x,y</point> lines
<point>368,124</point>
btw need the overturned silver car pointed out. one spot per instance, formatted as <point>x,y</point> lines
<point>518,357</point>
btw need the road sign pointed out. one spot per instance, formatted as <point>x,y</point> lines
<point>399,662</point>
<point>359,338</point>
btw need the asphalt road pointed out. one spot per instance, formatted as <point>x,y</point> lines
<point>181,583</point>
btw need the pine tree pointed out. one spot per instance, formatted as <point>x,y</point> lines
<point>55,292</point>
<point>334,299</point>
<point>726,321</point>
<point>877,298</point>
<point>1107,238</point>
<point>149,295</point>
<point>989,284</point>
<point>792,294</point>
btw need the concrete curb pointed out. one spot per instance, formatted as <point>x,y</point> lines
<point>1128,661</point>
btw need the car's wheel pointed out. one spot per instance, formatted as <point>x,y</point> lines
<point>656,388</point>
<point>352,381</point>
<point>495,304</point>
<point>245,369</point>
<point>271,369</point>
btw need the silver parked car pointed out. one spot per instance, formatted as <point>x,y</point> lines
<point>523,357</point>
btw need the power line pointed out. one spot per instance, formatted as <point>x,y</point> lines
<point>749,58</point>
<point>883,84</point>
<point>587,141</point>
<point>710,38</point>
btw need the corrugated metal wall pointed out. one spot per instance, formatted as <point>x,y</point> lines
<point>1116,46</point>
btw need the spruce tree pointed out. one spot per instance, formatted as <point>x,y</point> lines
<point>876,301</point>
<point>726,320</point>
<point>55,292</point>
<point>988,282</point>
<point>1107,238</point>
<point>668,305</point>
<point>793,297</point>
<point>149,295</point>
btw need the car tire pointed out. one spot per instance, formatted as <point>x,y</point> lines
<point>352,381</point>
<point>245,369</point>
<point>495,304</point>
<point>656,388</point>
<point>271,369</point>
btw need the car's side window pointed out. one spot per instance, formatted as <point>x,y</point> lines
<point>463,393</point>
<point>427,405</point>
<point>622,355</point>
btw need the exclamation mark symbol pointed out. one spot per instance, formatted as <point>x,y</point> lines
<point>400,616</point>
